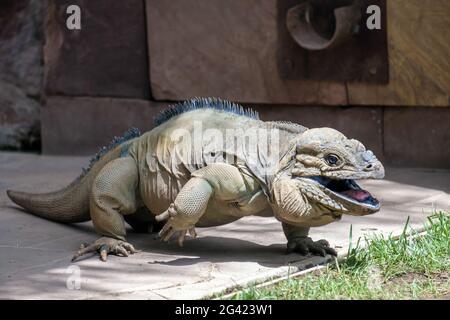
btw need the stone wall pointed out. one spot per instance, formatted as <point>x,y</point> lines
<point>98,84</point>
<point>106,58</point>
<point>21,72</point>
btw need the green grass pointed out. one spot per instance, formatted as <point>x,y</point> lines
<point>409,267</point>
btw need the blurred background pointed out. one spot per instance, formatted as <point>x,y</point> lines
<point>68,92</point>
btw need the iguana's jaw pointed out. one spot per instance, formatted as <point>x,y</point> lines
<point>349,194</point>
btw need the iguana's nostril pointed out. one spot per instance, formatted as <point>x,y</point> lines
<point>369,166</point>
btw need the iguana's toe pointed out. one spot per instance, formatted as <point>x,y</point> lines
<point>168,231</point>
<point>307,245</point>
<point>175,225</point>
<point>105,246</point>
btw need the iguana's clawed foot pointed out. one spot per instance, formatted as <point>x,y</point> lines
<point>105,246</point>
<point>307,245</point>
<point>175,225</point>
<point>168,231</point>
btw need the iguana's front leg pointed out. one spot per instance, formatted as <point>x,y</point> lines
<point>222,181</point>
<point>292,207</point>
<point>298,241</point>
<point>189,205</point>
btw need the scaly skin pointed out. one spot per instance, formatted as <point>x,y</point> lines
<point>183,175</point>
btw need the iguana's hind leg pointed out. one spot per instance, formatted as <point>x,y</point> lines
<point>113,195</point>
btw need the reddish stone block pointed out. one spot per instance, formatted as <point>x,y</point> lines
<point>80,126</point>
<point>224,49</point>
<point>417,137</point>
<point>107,57</point>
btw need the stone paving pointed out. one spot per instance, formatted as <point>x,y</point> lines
<point>35,253</point>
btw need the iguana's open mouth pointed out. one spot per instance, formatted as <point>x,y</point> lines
<point>349,191</point>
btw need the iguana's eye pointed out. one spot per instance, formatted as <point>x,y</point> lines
<point>332,159</point>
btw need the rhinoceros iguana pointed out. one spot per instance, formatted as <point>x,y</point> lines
<point>209,162</point>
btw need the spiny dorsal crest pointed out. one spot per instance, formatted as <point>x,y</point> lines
<point>204,103</point>
<point>128,135</point>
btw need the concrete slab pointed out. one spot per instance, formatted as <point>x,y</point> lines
<point>35,253</point>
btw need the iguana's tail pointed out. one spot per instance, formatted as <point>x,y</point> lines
<point>67,205</point>
<point>71,204</point>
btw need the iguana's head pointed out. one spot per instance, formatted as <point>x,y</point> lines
<point>326,165</point>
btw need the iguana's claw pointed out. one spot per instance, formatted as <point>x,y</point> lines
<point>169,230</point>
<point>104,246</point>
<point>174,225</point>
<point>307,245</point>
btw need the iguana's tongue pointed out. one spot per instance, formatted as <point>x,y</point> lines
<point>360,195</point>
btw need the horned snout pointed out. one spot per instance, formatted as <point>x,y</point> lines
<point>373,166</point>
